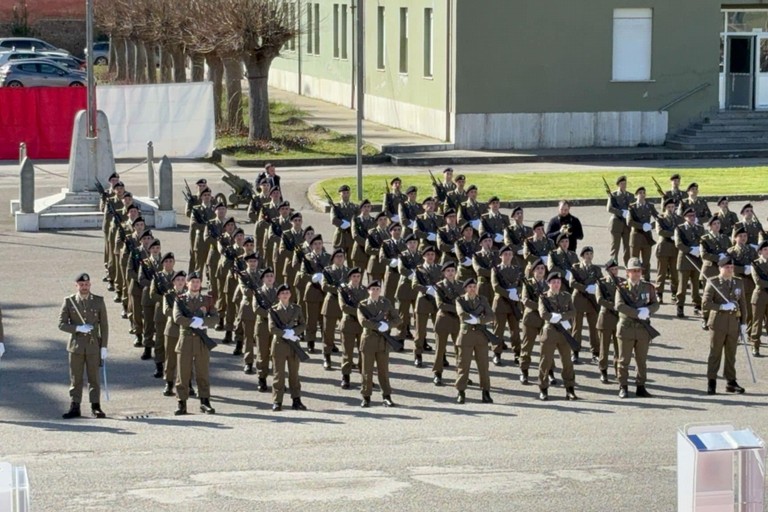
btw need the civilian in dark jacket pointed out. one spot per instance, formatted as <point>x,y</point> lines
<point>564,222</point>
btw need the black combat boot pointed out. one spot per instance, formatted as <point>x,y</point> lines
<point>168,390</point>
<point>327,361</point>
<point>147,354</point>
<point>311,347</point>
<point>181,408</point>
<point>756,351</point>
<point>604,376</point>
<point>543,394</point>
<point>192,390</point>
<point>733,387</point>
<point>366,402</point>
<point>427,347</point>
<point>461,397</point>
<point>487,397</point>
<point>388,401</point>
<point>334,349</point>
<point>262,387</point>
<point>205,406</point>
<point>551,378</point>
<point>438,380</point>
<point>277,407</point>
<point>227,338</point>
<point>641,392</point>
<point>96,410</point>
<point>623,392</point>
<point>680,312</point>
<point>711,386</point>
<point>516,360</point>
<point>575,358</point>
<point>238,348</point>
<point>524,377</point>
<point>220,325</point>
<point>497,359</point>
<point>248,369</point>
<point>570,393</point>
<point>297,405</point>
<point>159,367</point>
<point>137,341</point>
<point>417,361</point>
<point>345,382</point>
<point>73,412</point>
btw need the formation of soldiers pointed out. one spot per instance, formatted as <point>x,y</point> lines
<point>481,278</point>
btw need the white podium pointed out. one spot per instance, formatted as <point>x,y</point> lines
<point>14,488</point>
<point>720,469</point>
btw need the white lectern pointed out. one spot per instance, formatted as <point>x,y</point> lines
<point>14,488</point>
<point>720,469</point>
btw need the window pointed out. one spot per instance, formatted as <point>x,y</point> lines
<point>344,26</point>
<point>310,26</point>
<point>632,31</point>
<point>381,40</point>
<point>428,42</point>
<point>49,70</point>
<point>291,45</point>
<point>336,51</point>
<point>317,29</point>
<point>404,40</point>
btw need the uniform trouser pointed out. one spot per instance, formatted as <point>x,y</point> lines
<point>472,345</point>
<point>160,341</point>
<point>201,259</point>
<point>446,326</point>
<point>526,348</point>
<point>171,361</point>
<point>503,320</point>
<point>578,324</point>
<point>148,330</point>
<point>374,350</point>
<point>230,307</point>
<point>421,330</point>
<point>193,354</point>
<point>282,354</point>
<point>329,333</point>
<point>192,253</point>
<point>723,339</point>
<point>617,239</point>
<point>684,277</point>
<point>263,349</point>
<point>404,307</point>
<point>249,333</point>
<point>120,284</point>
<point>485,289</point>
<point>314,320</point>
<point>630,342</point>
<point>759,314</point>
<point>666,269</point>
<point>89,363</point>
<point>137,312</point>
<point>551,341</point>
<point>390,285</point>
<point>608,338</point>
<point>349,341</point>
<point>643,251</point>
<point>221,296</point>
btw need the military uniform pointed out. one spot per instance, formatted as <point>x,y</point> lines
<point>191,352</point>
<point>201,244</point>
<point>714,247</point>
<point>373,347</point>
<point>270,212</point>
<point>495,224</point>
<point>515,236</point>
<point>409,210</point>
<point>446,243</point>
<point>290,317</point>
<point>362,225</point>
<point>405,293</point>
<point>506,304</point>
<point>759,301</point>
<point>688,237</point>
<point>472,211</point>
<point>149,302</point>
<point>263,340</point>
<point>171,340</point>
<point>159,319</point>
<point>426,230</point>
<point>446,323</point>
<point>551,340</point>
<point>633,337</point>
<point>607,324</point>
<point>724,326</point>
<point>532,322</point>
<point>537,250</point>
<point>134,295</point>
<point>728,220</point>
<point>213,232</point>
<point>246,313</point>
<point>389,256</point>
<point>343,238</point>
<point>700,207</point>
<point>394,200</point>
<point>286,266</point>
<point>351,330</point>
<point>472,343</point>
<point>641,240</point>
<point>375,268</point>
<point>465,252</point>
<point>563,262</point>
<point>426,303</point>
<point>754,231</point>
<point>331,311</point>
<point>313,296</point>
<point>743,257</point>
<point>189,205</point>
<point>619,203</point>
<point>676,195</point>
<point>483,263</point>
<point>584,280</point>
<point>666,253</point>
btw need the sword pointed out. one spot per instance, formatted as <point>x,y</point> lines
<point>742,341</point>
<point>104,379</point>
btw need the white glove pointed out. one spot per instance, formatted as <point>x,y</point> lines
<point>196,322</point>
<point>544,259</point>
<point>591,289</point>
<point>747,270</point>
<point>521,251</point>
<point>431,291</point>
<point>104,353</point>
<point>475,224</point>
<point>467,262</point>
<point>473,320</point>
<point>566,324</point>
<point>743,329</point>
<point>412,224</point>
<point>84,329</point>
<point>754,246</point>
<point>395,218</point>
<point>316,278</point>
<point>568,275</point>
<point>625,214</point>
<point>647,227</point>
<point>288,333</point>
<point>393,262</point>
<point>512,292</point>
<point>728,306</point>
<point>2,349</point>
<point>695,251</point>
<point>722,256</point>
<point>431,237</point>
<point>383,326</point>
<point>345,224</point>
<point>556,317</point>
<point>498,238</point>
<point>292,338</point>
<point>643,313</point>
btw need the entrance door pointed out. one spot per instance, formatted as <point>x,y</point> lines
<point>739,77</point>
<point>761,72</point>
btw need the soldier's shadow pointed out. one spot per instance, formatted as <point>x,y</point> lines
<point>75,425</point>
<point>184,421</point>
<point>286,416</point>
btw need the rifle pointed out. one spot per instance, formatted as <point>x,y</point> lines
<point>288,241</point>
<point>575,345</point>
<point>389,204</point>
<point>274,224</point>
<point>390,249</point>
<point>487,227</point>
<point>396,345</point>
<point>187,193</point>
<point>359,228</point>
<point>614,203</point>
<point>421,278</point>
<point>300,353</point>
<point>507,285</point>
<point>104,194</point>
<point>443,236</point>
<point>464,250</point>
<point>334,207</point>
<point>202,333</point>
<point>309,269</point>
<point>653,333</point>
<point>658,188</point>
<point>513,236</point>
<point>588,296</point>
<point>492,338</point>
<point>330,279</point>
<point>647,234</point>
<point>440,190</point>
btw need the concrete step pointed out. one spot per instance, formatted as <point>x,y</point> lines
<point>391,149</point>
<point>73,208</point>
<point>674,143</point>
<point>73,220</point>
<point>740,114</point>
<point>761,139</point>
<point>740,125</point>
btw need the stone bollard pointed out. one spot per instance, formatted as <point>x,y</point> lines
<point>150,170</point>
<point>22,152</point>
<point>27,186</point>
<point>165,216</point>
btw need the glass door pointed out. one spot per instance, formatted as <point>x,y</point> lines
<point>761,72</point>
<point>739,76</point>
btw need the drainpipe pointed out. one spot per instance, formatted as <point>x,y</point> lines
<point>353,9</point>
<point>299,17</point>
<point>448,68</point>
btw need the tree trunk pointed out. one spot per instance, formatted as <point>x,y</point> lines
<point>120,59</point>
<point>112,56</point>
<point>166,65</point>
<point>141,63</point>
<point>179,67</point>
<point>215,76</point>
<point>151,64</point>
<point>198,67</point>
<point>130,56</point>
<point>233,75</point>
<point>257,67</point>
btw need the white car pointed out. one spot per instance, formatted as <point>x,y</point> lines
<point>8,44</point>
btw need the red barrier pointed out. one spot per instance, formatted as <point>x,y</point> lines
<point>42,117</point>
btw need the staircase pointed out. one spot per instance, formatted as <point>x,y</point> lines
<point>724,130</point>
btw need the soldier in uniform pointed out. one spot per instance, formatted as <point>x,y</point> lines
<point>640,221</point>
<point>115,198</point>
<point>228,281</point>
<point>448,185</point>
<point>389,255</point>
<point>635,305</point>
<point>363,223</point>
<point>342,237</point>
<point>724,297</point>
<point>666,252</point>
<point>264,299</point>
<point>533,287</point>
<point>516,234</point>
<point>286,266</point>
<point>728,219</point>
<point>752,225</point>
<point>743,255</point>
<point>165,275</point>
<point>219,228</point>
<point>248,284</point>
<point>378,316</point>
<point>555,307</point>
<point>584,280</point>
<point>458,195</point>
<point>505,279</point>
<point>465,248</point>
<point>152,264</point>
<point>84,317</point>
<point>301,279</point>
<point>699,205</point>
<point>494,222</point>
<point>538,247</point>
<point>674,193</point>
<point>291,325</point>
<point>714,247</point>
<point>272,238</point>
<point>350,296</point>
<point>171,330</point>
<point>373,242</point>
<point>134,287</point>
<point>483,262</point>
<point>608,319</point>
<point>470,210</point>
<point>447,237</point>
<point>562,260</point>
<point>428,224</point>
<point>190,203</point>
<point>313,296</point>
<point>191,351</point>
<point>409,210</point>
<point>473,311</point>
<point>393,199</point>
<point>759,297</point>
<point>201,214</point>
<point>618,207</point>
<point>424,282</point>
<point>334,276</point>
<point>688,243</point>
<point>270,211</point>
<point>405,294</point>
<point>447,321</point>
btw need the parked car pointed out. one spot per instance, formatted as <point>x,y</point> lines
<point>39,73</point>
<point>29,43</point>
<point>100,53</point>
<point>67,62</point>
<point>6,57</point>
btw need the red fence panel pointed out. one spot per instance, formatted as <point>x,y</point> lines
<point>42,117</point>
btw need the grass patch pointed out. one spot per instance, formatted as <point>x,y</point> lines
<point>572,184</point>
<point>292,137</point>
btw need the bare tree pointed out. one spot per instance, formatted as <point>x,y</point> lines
<point>215,76</point>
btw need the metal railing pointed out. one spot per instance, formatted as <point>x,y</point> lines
<point>684,96</point>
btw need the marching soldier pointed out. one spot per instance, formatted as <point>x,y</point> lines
<point>200,215</point>
<point>377,315</point>
<point>363,223</point>
<point>724,296</point>
<point>165,275</point>
<point>219,228</point>
<point>426,276</point>
<point>312,275</point>
<point>505,279</point>
<point>714,247</point>
<point>119,256</point>
<point>752,225</point>
<point>231,250</point>
<point>562,260</point>
<point>171,331</point>
<point>84,316</point>
<point>152,264</point>
<point>465,248</point>
<point>699,205</point>
<point>447,320</point>
<point>555,308</point>
<point>618,207</point>
<point>516,234</point>
<point>728,219</point>
<point>291,325</point>
<point>286,265</point>
<point>448,185</point>
<point>406,295</point>
<point>635,305</point>
<point>265,296</point>
<point>473,311</point>
<point>666,252</point>
<point>494,222</point>
<point>641,215</point>
<point>272,238</point>
<point>270,211</point>
<point>608,320</point>
<point>134,287</point>
<point>190,203</point>
<point>743,255</point>
<point>538,247</point>
<point>470,210</point>
<point>350,297</point>
<point>447,237</point>
<point>392,200</point>
<point>458,195</point>
<point>373,244</point>
<point>115,198</point>
<point>533,287</point>
<point>584,280</point>
<point>342,237</point>
<point>428,225</point>
<point>389,255</point>
<point>759,296</point>
<point>688,243</point>
<point>483,262</point>
<point>674,193</point>
<point>247,287</point>
<point>409,211</point>
<point>191,351</point>
<point>301,279</point>
<point>334,276</point>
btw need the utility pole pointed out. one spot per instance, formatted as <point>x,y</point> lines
<point>91,89</point>
<point>360,96</point>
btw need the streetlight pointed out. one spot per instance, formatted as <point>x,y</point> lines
<point>360,97</point>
